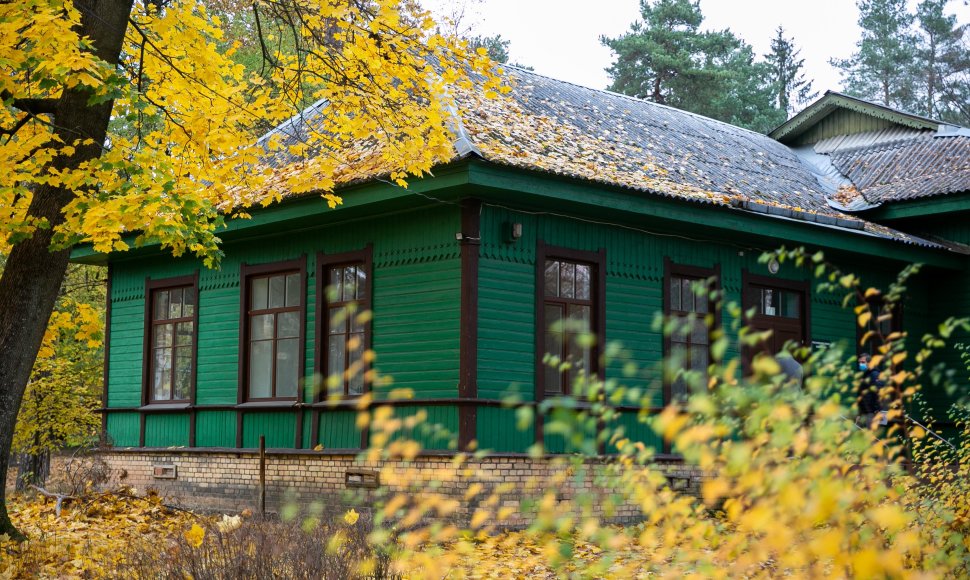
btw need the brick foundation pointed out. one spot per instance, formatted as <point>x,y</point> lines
<point>228,481</point>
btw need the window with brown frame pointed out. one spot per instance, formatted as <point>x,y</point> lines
<point>688,301</point>
<point>346,336</point>
<point>273,334</point>
<point>171,330</point>
<point>570,316</point>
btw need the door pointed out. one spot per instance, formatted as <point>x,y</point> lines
<point>780,306</point>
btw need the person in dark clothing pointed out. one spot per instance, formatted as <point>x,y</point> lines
<point>869,388</point>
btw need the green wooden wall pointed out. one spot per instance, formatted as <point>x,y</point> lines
<point>634,295</point>
<point>416,277</point>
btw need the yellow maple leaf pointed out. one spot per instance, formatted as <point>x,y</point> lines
<point>351,517</point>
<point>195,535</point>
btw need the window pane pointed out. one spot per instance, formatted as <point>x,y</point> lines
<point>553,317</point>
<point>161,305</point>
<point>675,283</point>
<point>293,290</point>
<point>183,335</point>
<point>567,279</point>
<point>350,283</point>
<point>686,295</point>
<point>335,356</point>
<point>361,283</point>
<point>358,322</point>
<point>175,303</point>
<point>277,291</point>
<point>699,333</point>
<point>162,381</point>
<point>163,335</point>
<point>188,302</point>
<point>336,283</point>
<point>183,372</point>
<point>579,356</point>
<point>288,325</point>
<point>261,369</point>
<point>553,344</point>
<point>768,302</point>
<point>699,356</point>
<point>583,281</point>
<point>287,367</point>
<point>790,304</point>
<point>678,390</point>
<point>701,301</point>
<point>261,327</point>
<point>553,380</point>
<point>552,278</point>
<point>580,315</point>
<point>338,320</point>
<point>681,328</point>
<point>355,383</point>
<point>260,296</point>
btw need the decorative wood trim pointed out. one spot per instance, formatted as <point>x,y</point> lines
<point>468,342</point>
<point>364,256</point>
<point>598,261</point>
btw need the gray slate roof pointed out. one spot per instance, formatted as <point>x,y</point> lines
<point>921,166</point>
<point>557,127</point>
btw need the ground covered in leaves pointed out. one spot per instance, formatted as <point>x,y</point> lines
<point>88,538</point>
<point>92,537</point>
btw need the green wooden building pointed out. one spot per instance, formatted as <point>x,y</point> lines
<point>560,203</point>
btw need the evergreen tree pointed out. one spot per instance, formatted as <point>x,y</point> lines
<point>791,88</point>
<point>881,68</point>
<point>943,64</point>
<point>667,59</point>
<point>497,47</point>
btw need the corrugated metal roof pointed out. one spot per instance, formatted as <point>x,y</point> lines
<point>918,167</point>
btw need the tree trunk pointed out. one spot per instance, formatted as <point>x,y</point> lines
<point>33,273</point>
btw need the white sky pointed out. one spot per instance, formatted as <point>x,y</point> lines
<point>560,38</point>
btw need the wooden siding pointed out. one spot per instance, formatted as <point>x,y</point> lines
<point>634,296</point>
<point>416,289</point>
<point>841,122</point>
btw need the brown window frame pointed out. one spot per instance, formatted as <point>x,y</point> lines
<point>672,269</point>
<point>364,258</point>
<point>248,272</point>
<point>597,302</point>
<point>151,288</point>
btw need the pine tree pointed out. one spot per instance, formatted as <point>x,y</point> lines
<point>790,86</point>
<point>943,64</point>
<point>881,68</point>
<point>667,59</point>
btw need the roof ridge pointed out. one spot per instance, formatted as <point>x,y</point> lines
<point>637,100</point>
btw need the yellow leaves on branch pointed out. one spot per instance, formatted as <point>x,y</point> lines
<point>182,149</point>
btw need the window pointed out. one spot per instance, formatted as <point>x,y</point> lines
<point>170,340</point>
<point>570,316</point>
<point>687,306</point>
<point>777,302</point>
<point>273,336</point>
<point>346,336</point>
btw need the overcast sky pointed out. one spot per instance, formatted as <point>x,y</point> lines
<point>560,38</point>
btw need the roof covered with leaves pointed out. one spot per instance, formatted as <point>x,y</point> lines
<point>560,128</point>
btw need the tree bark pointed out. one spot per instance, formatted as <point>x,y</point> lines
<point>33,273</point>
